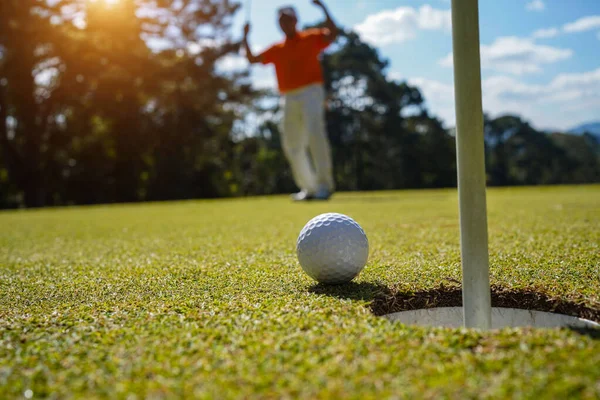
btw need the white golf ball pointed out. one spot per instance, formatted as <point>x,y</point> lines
<point>332,248</point>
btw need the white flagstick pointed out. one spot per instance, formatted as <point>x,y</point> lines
<point>471,165</point>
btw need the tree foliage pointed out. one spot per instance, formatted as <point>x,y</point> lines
<point>116,102</point>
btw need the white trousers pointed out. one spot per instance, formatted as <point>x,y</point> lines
<point>304,138</point>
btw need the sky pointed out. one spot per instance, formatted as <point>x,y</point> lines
<point>540,58</point>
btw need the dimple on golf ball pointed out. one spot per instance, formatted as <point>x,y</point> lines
<point>332,248</point>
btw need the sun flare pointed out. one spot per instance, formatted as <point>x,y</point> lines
<point>107,2</point>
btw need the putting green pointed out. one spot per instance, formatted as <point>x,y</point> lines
<point>206,299</point>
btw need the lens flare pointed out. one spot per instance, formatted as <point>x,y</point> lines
<point>107,2</point>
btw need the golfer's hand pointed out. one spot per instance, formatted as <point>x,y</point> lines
<point>317,3</point>
<point>247,29</point>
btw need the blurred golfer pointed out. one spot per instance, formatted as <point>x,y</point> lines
<point>300,81</point>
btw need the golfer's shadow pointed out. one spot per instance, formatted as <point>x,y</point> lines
<point>365,291</point>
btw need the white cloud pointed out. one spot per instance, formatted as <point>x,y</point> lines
<point>439,97</point>
<point>264,78</point>
<point>545,33</point>
<point>402,24</point>
<point>535,5</point>
<point>232,63</point>
<point>583,24</point>
<point>563,87</point>
<point>516,56</point>
<point>588,23</point>
<point>395,76</point>
<point>587,83</point>
<point>576,95</point>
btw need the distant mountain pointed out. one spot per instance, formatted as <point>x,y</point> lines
<point>592,127</point>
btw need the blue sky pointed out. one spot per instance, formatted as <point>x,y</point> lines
<point>540,58</point>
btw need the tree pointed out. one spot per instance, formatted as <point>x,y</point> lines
<point>382,135</point>
<point>497,132</point>
<point>25,37</point>
<point>102,113</point>
<point>197,106</point>
<point>584,155</point>
<point>518,154</point>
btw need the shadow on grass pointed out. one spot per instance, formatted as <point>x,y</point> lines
<point>352,290</point>
<point>591,332</point>
<point>384,300</point>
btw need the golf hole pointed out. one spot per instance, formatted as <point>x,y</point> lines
<point>452,317</point>
<point>442,307</point>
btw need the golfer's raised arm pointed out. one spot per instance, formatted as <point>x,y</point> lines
<point>252,59</point>
<point>329,24</point>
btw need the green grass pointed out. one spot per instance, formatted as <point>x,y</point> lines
<point>206,299</point>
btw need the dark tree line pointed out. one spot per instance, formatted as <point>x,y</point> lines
<point>119,103</point>
<point>517,154</point>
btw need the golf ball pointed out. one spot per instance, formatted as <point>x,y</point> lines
<point>332,248</point>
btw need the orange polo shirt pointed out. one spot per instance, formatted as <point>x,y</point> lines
<point>296,59</point>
